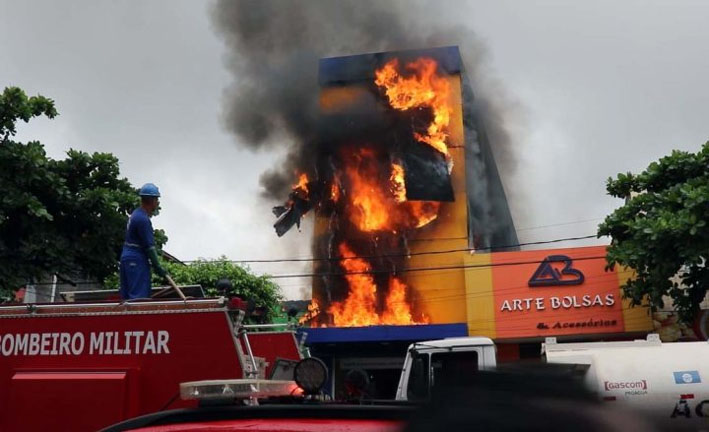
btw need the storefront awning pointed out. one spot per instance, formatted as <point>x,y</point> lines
<point>383,333</point>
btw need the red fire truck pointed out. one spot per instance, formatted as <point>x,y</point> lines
<point>84,366</point>
<point>167,366</point>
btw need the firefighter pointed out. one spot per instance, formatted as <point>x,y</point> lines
<point>139,248</point>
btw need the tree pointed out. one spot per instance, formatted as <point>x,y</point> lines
<point>661,232</point>
<point>258,289</point>
<point>56,216</point>
<point>207,273</point>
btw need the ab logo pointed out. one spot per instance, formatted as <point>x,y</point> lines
<point>548,275</point>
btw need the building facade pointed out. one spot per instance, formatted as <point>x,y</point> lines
<point>460,266</point>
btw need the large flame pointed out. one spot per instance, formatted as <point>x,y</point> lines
<point>397,309</point>
<point>378,203</point>
<point>360,307</point>
<point>369,202</point>
<point>369,194</point>
<point>422,89</point>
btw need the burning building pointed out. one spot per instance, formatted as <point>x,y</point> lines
<point>403,188</point>
<point>402,184</point>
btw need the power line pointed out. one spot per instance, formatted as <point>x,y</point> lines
<point>378,256</point>
<point>418,269</point>
<point>559,224</point>
<point>516,229</point>
<point>402,255</point>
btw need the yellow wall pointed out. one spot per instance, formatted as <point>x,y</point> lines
<point>479,295</point>
<point>442,292</point>
<point>637,319</point>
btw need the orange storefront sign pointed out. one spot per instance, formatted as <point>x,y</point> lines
<point>551,292</point>
<point>555,292</point>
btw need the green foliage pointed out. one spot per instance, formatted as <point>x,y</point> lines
<point>160,238</point>
<point>661,232</point>
<point>259,289</point>
<point>15,105</point>
<point>56,216</point>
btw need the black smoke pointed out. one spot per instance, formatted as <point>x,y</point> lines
<point>273,52</point>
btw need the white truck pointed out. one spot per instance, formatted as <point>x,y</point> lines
<point>438,361</point>
<point>669,379</point>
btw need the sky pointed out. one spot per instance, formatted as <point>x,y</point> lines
<point>597,88</point>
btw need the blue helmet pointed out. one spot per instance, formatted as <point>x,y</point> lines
<point>149,190</point>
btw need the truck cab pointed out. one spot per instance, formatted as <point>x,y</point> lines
<point>435,363</point>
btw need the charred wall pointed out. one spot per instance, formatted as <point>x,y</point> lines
<point>490,224</point>
<point>474,209</point>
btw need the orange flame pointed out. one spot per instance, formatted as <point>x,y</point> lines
<point>313,311</point>
<point>360,307</point>
<point>398,186</point>
<point>376,207</point>
<point>334,192</point>
<point>423,89</point>
<point>397,309</point>
<point>302,184</point>
<point>423,212</point>
<point>370,210</point>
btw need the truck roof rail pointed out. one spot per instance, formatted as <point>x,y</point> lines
<point>551,344</point>
<point>111,307</point>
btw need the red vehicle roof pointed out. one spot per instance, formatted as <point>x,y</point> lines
<point>281,425</point>
<point>297,417</point>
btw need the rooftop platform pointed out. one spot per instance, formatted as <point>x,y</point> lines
<point>361,67</point>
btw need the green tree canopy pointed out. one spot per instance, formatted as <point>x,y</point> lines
<point>661,232</point>
<point>56,216</point>
<point>261,290</point>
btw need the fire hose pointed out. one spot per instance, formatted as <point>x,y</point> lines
<point>173,286</point>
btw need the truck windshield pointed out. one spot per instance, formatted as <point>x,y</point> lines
<point>418,378</point>
<point>453,368</point>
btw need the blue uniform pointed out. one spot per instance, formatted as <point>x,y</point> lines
<point>135,267</point>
